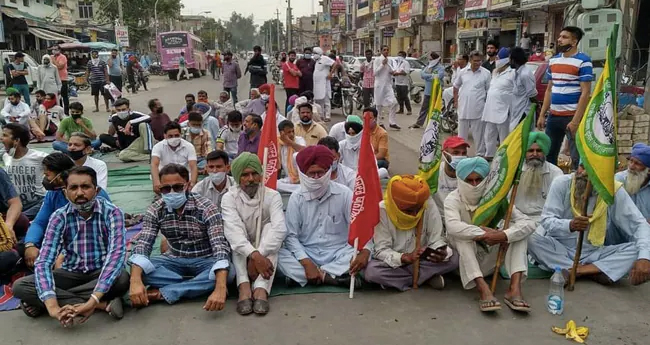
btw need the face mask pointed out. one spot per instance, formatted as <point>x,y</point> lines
<point>159,110</point>
<point>76,155</point>
<point>85,207</point>
<point>227,59</point>
<point>335,166</point>
<point>305,121</point>
<point>46,62</point>
<point>174,200</point>
<point>316,56</point>
<point>49,103</point>
<point>235,129</point>
<point>564,48</point>
<point>174,142</point>
<point>315,187</point>
<point>455,160</point>
<point>251,189</point>
<point>471,195</point>
<point>75,117</point>
<point>218,177</point>
<point>195,130</point>
<point>355,140</point>
<point>123,114</point>
<point>502,62</point>
<point>56,52</point>
<point>538,54</point>
<point>307,56</point>
<point>265,97</point>
<point>49,185</point>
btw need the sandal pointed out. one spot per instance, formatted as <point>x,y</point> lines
<point>517,304</point>
<point>261,307</point>
<point>31,311</point>
<point>245,307</point>
<point>489,305</point>
<point>115,308</point>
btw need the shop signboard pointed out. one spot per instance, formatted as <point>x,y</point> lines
<point>363,7</point>
<point>404,20</point>
<point>498,4</point>
<point>337,7</point>
<point>417,7</point>
<point>509,24</point>
<point>473,5</point>
<point>122,35</point>
<point>389,31</point>
<point>532,4</point>
<point>435,10</point>
<point>385,10</point>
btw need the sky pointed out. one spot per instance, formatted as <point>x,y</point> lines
<point>262,10</point>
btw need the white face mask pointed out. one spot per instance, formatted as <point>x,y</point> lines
<point>174,142</point>
<point>471,195</point>
<point>196,130</point>
<point>454,161</point>
<point>502,62</point>
<point>123,114</point>
<point>265,97</point>
<point>218,177</point>
<point>314,188</point>
<point>354,140</point>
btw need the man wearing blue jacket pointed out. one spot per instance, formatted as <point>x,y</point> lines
<point>54,166</point>
<point>429,73</point>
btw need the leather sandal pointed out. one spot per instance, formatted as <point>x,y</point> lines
<point>261,307</point>
<point>245,307</point>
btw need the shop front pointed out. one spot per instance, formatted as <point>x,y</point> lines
<point>22,31</point>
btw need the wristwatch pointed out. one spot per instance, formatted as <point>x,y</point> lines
<point>29,245</point>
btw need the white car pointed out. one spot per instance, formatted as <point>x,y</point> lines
<point>416,69</point>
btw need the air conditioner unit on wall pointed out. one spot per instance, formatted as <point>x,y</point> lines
<point>597,26</point>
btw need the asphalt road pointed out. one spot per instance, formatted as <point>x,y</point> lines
<point>615,315</point>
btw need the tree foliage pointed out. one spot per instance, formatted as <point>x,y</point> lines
<point>211,31</point>
<point>272,27</point>
<point>242,32</point>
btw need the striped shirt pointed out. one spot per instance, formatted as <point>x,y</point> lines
<point>368,75</point>
<point>97,73</point>
<point>97,243</point>
<point>567,73</point>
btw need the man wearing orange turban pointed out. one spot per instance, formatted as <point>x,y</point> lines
<point>406,204</point>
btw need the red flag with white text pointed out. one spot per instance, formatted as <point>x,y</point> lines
<point>269,139</point>
<point>367,191</point>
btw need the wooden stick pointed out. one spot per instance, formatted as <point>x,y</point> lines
<point>503,247</point>
<point>416,264</point>
<point>258,231</point>
<point>581,237</point>
<point>354,276</point>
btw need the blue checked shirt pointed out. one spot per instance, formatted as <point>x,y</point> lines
<point>97,243</point>
<point>196,233</point>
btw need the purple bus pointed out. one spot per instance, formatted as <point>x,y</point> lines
<point>171,44</point>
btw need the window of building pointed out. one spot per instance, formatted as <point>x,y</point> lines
<point>14,1</point>
<point>85,9</point>
<point>26,3</point>
<point>48,2</point>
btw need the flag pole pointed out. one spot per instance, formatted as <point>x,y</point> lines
<point>581,237</point>
<point>354,276</point>
<point>416,263</point>
<point>503,247</point>
<point>258,231</point>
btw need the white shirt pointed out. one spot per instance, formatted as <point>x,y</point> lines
<point>402,66</point>
<point>346,176</point>
<point>524,89</point>
<point>278,118</point>
<point>20,112</point>
<point>384,95</point>
<point>472,92</point>
<point>532,205</point>
<point>499,97</point>
<point>100,168</point>
<point>446,185</point>
<point>284,155</point>
<point>184,153</point>
<point>321,83</point>
<point>230,140</point>
<point>207,189</point>
<point>26,174</point>
<point>338,131</point>
<point>349,154</point>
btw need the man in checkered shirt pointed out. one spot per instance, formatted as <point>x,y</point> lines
<point>197,260</point>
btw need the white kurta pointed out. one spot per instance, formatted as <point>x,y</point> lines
<point>337,131</point>
<point>322,89</point>
<point>475,262</point>
<point>524,89</point>
<point>240,215</point>
<point>384,95</point>
<point>533,204</point>
<point>472,92</point>
<point>499,97</point>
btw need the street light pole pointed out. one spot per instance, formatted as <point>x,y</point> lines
<point>155,19</point>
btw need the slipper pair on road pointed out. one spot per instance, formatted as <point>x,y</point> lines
<point>249,306</point>
<point>514,303</point>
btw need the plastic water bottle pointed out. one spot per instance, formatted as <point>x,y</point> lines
<point>555,300</point>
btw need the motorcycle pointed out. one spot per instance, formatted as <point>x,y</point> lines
<point>72,88</point>
<point>343,95</point>
<point>277,74</point>
<point>156,69</point>
<point>415,91</point>
<point>79,80</point>
<point>449,118</point>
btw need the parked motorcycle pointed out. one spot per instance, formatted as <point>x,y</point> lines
<point>415,92</point>
<point>156,69</point>
<point>449,118</point>
<point>277,74</point>
<point>343,95</point>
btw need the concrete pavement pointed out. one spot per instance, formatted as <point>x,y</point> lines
<point>615,315</point>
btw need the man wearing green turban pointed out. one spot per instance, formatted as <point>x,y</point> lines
<point>536,177</point>
<point>255,263</point>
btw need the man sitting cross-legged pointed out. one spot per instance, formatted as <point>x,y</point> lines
<point>536,177</point>
<point>316,249</point>
<point>405,204</point>
<point>635,179</point>
<point>90,233</point>
<point>216,185</point>
<point>197,247</point>
<point>241,212</point>
<point>617,241</point>
<point>477,246</point>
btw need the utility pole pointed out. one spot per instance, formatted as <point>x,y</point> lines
<point>289,26</point>
<point>120,11</point>
<point>277,23</point>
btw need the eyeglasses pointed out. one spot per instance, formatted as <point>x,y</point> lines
<point>177,188</point>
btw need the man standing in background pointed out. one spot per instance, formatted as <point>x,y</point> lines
<point>491,51</point>
<point>115,68</point>
<point>402,82</point>
<point>231,73</point>
<point>368,79</point>
<point>19,70</point>
<point>291,76</point>
<point>61,62</point>
<point>384,95</point>
<point>306,66</point>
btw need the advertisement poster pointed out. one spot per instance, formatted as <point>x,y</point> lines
<point>416,7</point>
<point>122,35</point>
<point>363,7</point>
<point>472,5</point>
<point>404,14</point>
<point>324,24</point>
<point>337,7</point>
<point>436,10</point>
<point>385,9</point>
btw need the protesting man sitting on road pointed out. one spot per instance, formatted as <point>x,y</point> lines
<point>241,212</point>
<point>199,138</point>
<point>48,115</point>
<point>228,137</point>
<point>173,150</point>
<point>454,149</point>
<point>290,145</point>
<point>15,110</point>
<point>340,173</point>
<point>316,249</point>
<point>249,139</point>
<point>55,166</point>
<point>349,148</point>
<point>11,207</point>
<point>134,137</point>
<point>536,177</point>
<point>310,131</point>
<point>79,150</point>
<point>617,239</point>
<point>477,246</point>
<point>75,123</point>
<point>91,231</point>
<point>379,140</point>
<point>405,205</point>
<point>197,247</point>
<point>635,178</point>
<point>215,186</point>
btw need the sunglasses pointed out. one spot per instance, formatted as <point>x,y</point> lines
<point>177,188</point>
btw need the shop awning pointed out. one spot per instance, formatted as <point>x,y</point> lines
<point>49,35</point>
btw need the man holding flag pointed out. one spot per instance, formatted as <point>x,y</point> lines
<point>591,201</point>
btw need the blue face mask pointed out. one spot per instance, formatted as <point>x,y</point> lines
<point>335,165</point>
<point>174,200</point>
<point>455,160</point>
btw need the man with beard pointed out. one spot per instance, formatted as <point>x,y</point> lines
<point>349,148</point>
<point>257,67</point>
<point>491,52</point>
<point>316,249</point>
<point>617,239</point>
<point>454,149</point>
<point>498,103</point>
<point>635,178</point>
<point>478,245</point>
<point>309,130</point>
<point>306,66</point>
<point>536,176</point>
<point>241,212</point>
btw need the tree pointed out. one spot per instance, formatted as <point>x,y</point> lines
<point>240,32</point>
<point>141,26</point>
<point>272,27</point>
<point>212,31</point>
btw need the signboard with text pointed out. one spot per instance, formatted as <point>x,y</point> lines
<point>435,10</point>
<point>363,7</point>
<point>337,7</point>
<point>122,35</point>
<point>404,20</point>
<point>473,5</point>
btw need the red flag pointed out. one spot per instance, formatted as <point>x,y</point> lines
<point>269,139</point>
<point>367,192</point>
